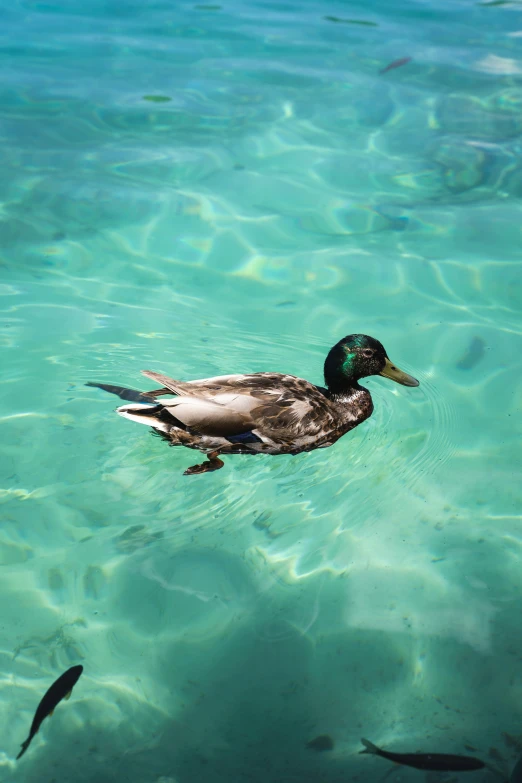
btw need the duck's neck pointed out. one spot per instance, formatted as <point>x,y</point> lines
<point>353,402</point>
<point>346,393</point>
<point>341,384</point>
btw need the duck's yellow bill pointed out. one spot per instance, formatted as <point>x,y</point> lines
<point>394,374</point>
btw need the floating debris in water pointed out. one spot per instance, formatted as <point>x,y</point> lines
<point>363,22</point>
<point>320,743</point>
<point>396,64</point>
<point>473,355</point>
<point>60,689</point>
<point>157,98</point>
<point>496,2</point>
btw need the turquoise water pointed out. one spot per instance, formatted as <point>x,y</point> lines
<point>285,195</point>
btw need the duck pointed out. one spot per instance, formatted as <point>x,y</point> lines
<point>262,412</point>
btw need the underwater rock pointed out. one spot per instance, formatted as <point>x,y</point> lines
<point>347,219</point>
<point>497,116</point>
<point>367,106</point>
<point>463,164</point>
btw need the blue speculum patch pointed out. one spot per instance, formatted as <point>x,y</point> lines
<point>245,437</point>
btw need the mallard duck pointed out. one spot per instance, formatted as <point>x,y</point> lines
<point>263,412</point>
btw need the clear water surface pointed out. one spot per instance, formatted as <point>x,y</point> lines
<point>234,186</point>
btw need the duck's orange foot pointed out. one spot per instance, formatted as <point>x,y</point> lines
<point>213,463</point>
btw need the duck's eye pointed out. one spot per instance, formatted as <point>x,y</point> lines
<point>367,353</point>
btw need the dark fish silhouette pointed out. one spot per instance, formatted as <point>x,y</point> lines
<point>442,762</point>
<point>323,742</point>
<point>396,64</point>
<point>61,689</point>
<point>350,21</point>
<point>473,355</point>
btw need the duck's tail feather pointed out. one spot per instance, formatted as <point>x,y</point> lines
<point>125,394</point>
<point>369,747</point>
<point>25,745</point>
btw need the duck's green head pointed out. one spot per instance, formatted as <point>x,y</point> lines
<point>358,356</point>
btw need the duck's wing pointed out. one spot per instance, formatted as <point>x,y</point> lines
<point>271,404</point>
<point>218,406</point>
<point>208,418</point>
<point>291,418</point>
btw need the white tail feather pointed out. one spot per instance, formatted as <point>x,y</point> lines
<point>132,412</point>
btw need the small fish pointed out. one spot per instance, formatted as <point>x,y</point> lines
<point>473,355</point>
<point>323,742</point>
<point>60,689</point>
<point>511,740</point>
<point>157,98</point>
<point>442,762</point>
<point>493,752</point>
<point>396,64</point>
<point>363,22</point>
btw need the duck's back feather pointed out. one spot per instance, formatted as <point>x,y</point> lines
<point>194,387</point>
